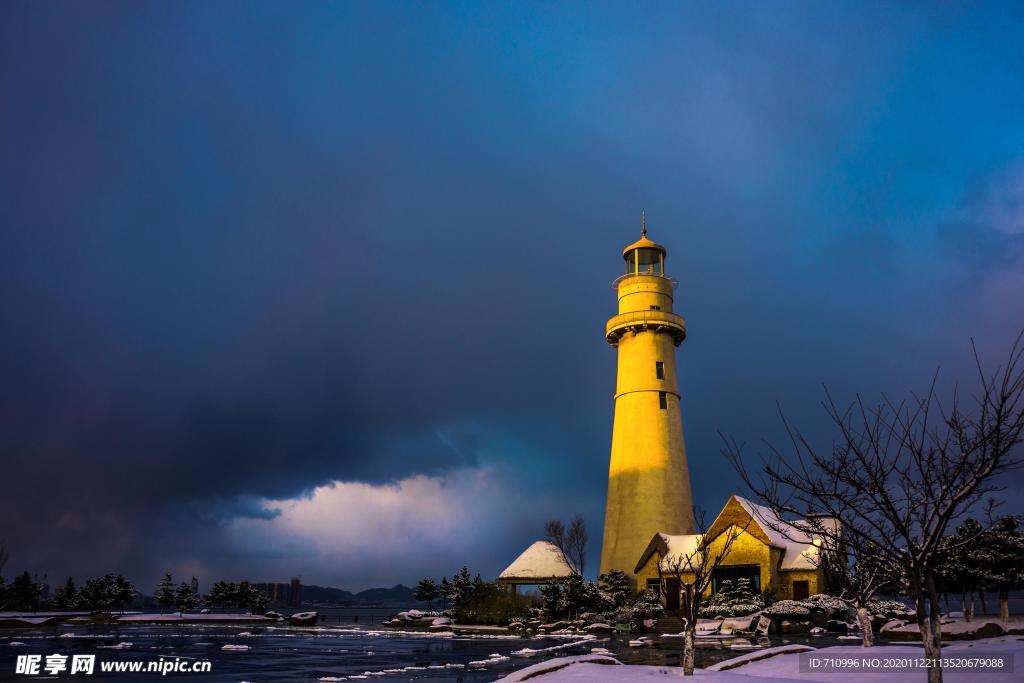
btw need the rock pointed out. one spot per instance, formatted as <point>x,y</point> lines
<point>836,626</point>
<point>890,625</point>
<point>740,623</point>
<point>440,621</point>
<point>553,626</point>
<point>989,629</point>
<point>726,628</point>
<point>274,615</point>
<point>440,628</point>
<point>705,626</point>
<point>818,631</point>
<point>304,619</point>
<point>788,626</point>
<point>648,624</point>
<point>599,627</point>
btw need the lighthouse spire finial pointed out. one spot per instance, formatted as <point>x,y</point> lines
<point>643,222</point>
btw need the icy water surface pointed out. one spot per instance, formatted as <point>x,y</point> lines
<point>285,654</point>
<point>335,653</point>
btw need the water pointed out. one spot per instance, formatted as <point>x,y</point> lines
<point>288,654</point>
<point>277,654</point>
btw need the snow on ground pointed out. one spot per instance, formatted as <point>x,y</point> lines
<point>762,653</point>
<point>529,652</point>
<point>784,666</point>
<point>788,665</point>
<point>599,669</point>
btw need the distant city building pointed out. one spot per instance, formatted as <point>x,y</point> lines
<point>281,594</point>
<point>195,585</point>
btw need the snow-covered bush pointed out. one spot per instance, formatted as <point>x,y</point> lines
<point>789,609</point>
<point>645,607</point>
<point>833,607</point>
<point>732,601</point>
<point>888,608</point>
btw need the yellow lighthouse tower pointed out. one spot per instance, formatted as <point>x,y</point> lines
<point>648,480</point>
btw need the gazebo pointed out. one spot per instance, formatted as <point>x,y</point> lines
<point>538,564</point>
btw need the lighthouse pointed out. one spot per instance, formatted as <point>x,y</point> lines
<point>648,478</point>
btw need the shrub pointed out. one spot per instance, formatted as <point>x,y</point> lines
<point>833,607</point>
<point>732,601</point>
<point>888,608</point>
<point>491,604</point>
<point>789,609</point>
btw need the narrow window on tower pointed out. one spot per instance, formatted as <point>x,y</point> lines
<point>662,401</point>
<point>659,369</point>
<point>655,308</point>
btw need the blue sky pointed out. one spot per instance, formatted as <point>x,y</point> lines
<point>320,289</point>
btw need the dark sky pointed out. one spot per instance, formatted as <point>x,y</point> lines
<point>320,288</point>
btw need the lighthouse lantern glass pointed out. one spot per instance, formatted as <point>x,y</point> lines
<point>649,261</point>
<point>631,261</point>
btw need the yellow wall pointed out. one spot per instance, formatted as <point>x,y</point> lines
<point>648,478</point>
<point>747,549</point>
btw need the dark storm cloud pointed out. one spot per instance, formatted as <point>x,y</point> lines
<point>249,250</point>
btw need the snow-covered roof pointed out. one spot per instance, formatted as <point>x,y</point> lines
<point>801,549</point>
<point>542,560</point>
<point>682,545</point>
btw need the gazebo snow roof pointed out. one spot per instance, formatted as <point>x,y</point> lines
<point>540,562</point>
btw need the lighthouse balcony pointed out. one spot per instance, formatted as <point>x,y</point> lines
<point>640,321</point>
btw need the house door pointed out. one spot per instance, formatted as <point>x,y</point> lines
<point>801,590</point>
<point>672,595</point>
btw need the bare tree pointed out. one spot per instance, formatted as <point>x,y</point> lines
<point>857,577</point>
<point>4,556</point>
<point>692,571</point>
<point>571,543</point>
<point>897,475</point>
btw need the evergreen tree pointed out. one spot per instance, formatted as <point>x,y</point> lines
<point>185,598</point>
<point>164,594</point>
<point>96,595</point>
<point>1002,554</point>
<point>23,593</point>
<point>221,593</point>
<point>959,564</point>
<point>122,592</point>
<point>426,591</point>
<point>66,597</point>
<point>575,596</point>
<point>552,594</point>
<point>444,589</point>
<point>617,585</point>
<point>461,589</point>
<point>247,596</point>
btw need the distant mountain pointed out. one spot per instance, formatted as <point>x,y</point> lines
<point>321,594</point>
<point>395,595</point>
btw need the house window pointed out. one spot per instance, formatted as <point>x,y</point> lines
<point>733,574</point>
<point>662,401</point>
<point>801,590</point>
<point>659,369</point>
<point>655,308</point>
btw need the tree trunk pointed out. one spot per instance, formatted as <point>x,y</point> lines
<point>866,629</point>
<point>1004,604</point>
<point>688,641</point>
<point>933,642</point>
<point>968,606</point>
<point>984,607</point>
